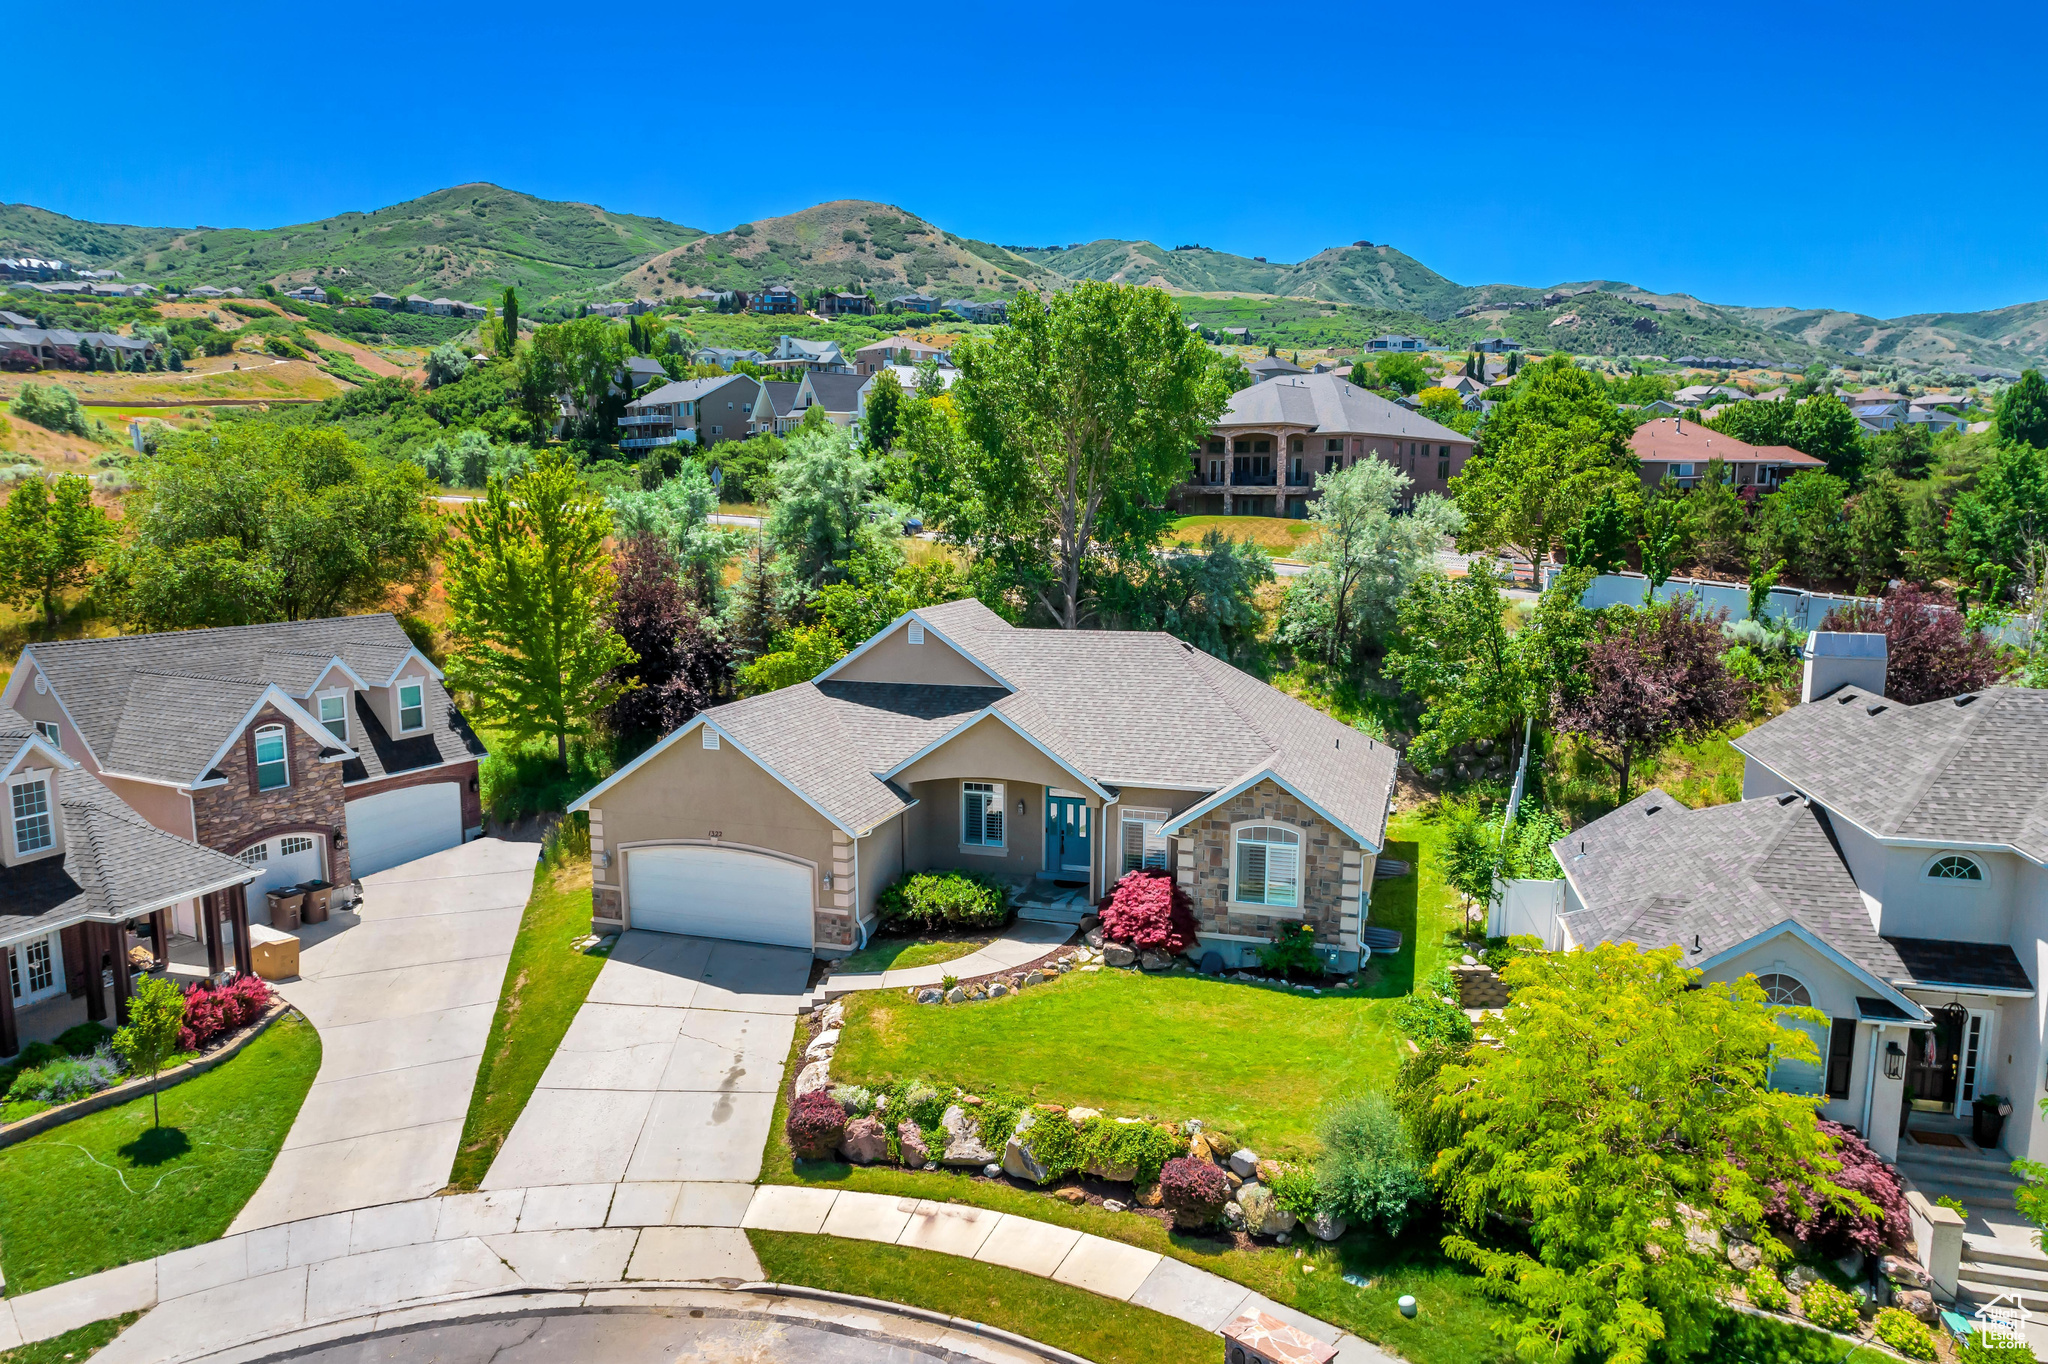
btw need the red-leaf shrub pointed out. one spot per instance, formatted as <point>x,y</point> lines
<point>1837,1231</point>
<point>816,1125</point>
<point>211,1014</point>
<point>1195,1190</point>
<point>1930,653</point>
<point>1148,911</point>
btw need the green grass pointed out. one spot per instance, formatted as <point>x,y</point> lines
<point>546,982</point>
<point>1072,1319</point>
<point>105,1190</point>
<point>75,1345</point>
<point>881,954</point>
<point>1277,535</point>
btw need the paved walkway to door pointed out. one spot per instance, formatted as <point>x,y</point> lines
<point>1022,941</point>
<point>669,1071</point>
<point>402,991</point>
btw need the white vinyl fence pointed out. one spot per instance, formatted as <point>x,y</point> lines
<point>1527,908</point>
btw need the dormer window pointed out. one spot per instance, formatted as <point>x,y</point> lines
<point>1954,868</point>
<point>272,769</point>
<point>50,735</point>
<point>412,706</point>
<point>334,714</point>
<point>33,832</point>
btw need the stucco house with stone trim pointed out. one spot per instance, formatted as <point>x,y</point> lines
<point>1046,758</point>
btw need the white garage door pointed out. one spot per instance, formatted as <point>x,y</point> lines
<point>397,826</point>
<point>719,893</point>
<point>286,861</point>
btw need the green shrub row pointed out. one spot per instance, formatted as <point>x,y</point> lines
<point>928,901</point>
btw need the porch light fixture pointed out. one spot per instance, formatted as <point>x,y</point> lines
<point>1020,807</point>
<point>1894,1060</point>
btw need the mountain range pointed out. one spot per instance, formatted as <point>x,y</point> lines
<point>471,241</point>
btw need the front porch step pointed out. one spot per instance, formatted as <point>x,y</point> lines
<point>1977,1291</point>
<point>1052,914</point>
<point>1949,1156</point>
<point>2004,1277</point>
<point>1992,1251</point>
<point>1949,1179</point>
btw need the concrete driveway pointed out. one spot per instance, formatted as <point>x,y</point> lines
<point>402,991</point>
<point>669,1072</point>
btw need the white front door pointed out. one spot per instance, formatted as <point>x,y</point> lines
<point>719,893</point>
<point>398,826</point>
<point>287,860</point>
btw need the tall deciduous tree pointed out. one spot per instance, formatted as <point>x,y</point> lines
<point>51,538</point>
<point>1874,533</point>
<point>1664,539</point>
<point>1801,523</point>
<point>1457,657</point>
<point>1081,414</point>
<point>1619,1110</point>
<point>2004,519</point>
<point>1599,541</point>
<point>2023,411</point>
<point>827,502</point>
<point>884,408</point>
<point>1653,677</point>
<point>529,584</point>
<point>678,665</point>
<point>257,523</point>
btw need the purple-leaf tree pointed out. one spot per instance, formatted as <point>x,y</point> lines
<point>679,666</point>
<point>1655,678</point>
<point>1930,653</point>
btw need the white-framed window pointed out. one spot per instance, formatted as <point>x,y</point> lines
<point>981,814</point>
<point>412,705</point>
<point>334,714</point>
<point>272,770</point>
<point>32,968</point>
<point>1266,866</point>
<point>51,734</point>
<point>1954,867</point>
<point>1779,988</point>
<point>291,845</point>
<point>33,831</point>
<point>254,856</point>
<point>1142,843</point>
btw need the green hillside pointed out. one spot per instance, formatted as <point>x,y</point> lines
<point>1188,269</point>
<point>468,242</point>
<point>29,231</point>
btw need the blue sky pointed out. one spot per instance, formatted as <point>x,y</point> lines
<point>1883,158</point>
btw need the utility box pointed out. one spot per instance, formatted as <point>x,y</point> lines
<point>1256,1338</point>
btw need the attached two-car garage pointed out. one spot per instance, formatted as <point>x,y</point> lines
<point>397,826</point>
<point>716,892</point>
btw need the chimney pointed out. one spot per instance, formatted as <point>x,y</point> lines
<point>1835,660</point>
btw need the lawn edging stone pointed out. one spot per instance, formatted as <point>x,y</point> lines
<point>35,1124</point>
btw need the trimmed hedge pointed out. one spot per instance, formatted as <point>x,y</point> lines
<point>931,900</point>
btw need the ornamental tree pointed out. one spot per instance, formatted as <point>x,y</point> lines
<point>1149,911</point>
<point>51,538</point>
<point>1621,1112</point>
<point>1653,677</point>
<point>679,666</point>
<point>1930,651</point>
<point>156,1014</point>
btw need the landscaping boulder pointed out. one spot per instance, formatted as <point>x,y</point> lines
<point>866,1141</point>
<point>910,1142</point>
<point>963,1139</point>
<point>1077,1116</point>
<point>1111,1205</point>
<point>1032,978</point>
<point>1263,1215</point>
<point>1155,961</point>
<point>1744,1256</point>
<point>1919,1302</point>
<point>816,1075</point>
<point>1148,1195</point>
<point>957,995</point>
<point>1102,1167</point>
<point>1244,1163</point>
<point>835,1014</point>
<point>1903,1269</point>
<point>929,996</point>
<point>998,990</point>
<point>1071,1194</point>
<point>1093,937</point>
<point>822,1044</point>
<point>1018,1160</point>
<point>1116,954</point>
<point>1233,1215</point>
<point>1328,1226</point>
<point>1799,1278</point>
<point>1090,922</point>
<point>1207,1146</point>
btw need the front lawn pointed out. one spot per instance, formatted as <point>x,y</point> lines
<point>106,1189</point>
<point>884,954</point>
<point>1281,536</point>
<point>1072,1319</point>
<point>546,982</point>
<point>74,1346</point>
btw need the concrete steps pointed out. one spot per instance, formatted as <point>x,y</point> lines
<point>1974,1177</point>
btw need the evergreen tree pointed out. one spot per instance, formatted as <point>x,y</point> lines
<point>2023,412</point>
<point>753,619</point>
<point>508,313</point>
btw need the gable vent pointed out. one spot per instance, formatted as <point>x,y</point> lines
<point>710,737</point>
<point>916,632</point>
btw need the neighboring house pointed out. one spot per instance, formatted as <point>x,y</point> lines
<point>1926,402</point>
<point>1694,394</point>
<point>1464,385</point>
<point>79,869</point>
<point>1263,454</point>
<point>778,298</point>
<point>1879,396</point>
<point>642,370</point>
<point>994,310</point>
<point>1888,866</point>
<point>377,300</point>
<point>951,740</point>
<point>1396,341</point>
<point>1497,345</point>
<point>696,411</point>
<point>415,304</point>
<point>1679,448</point>
<point>914,303</point>
<point>1660,407</point>
<point>37,347</point>
<point>208,291</point>
<point>906,378</point>
<point>1937,420</point>
<point>309,293</point>
<point>781,398</point>
<point>897,350</point>
<point>1874,417</point>
<point>725,357</point>
<point>1271,367</point>
<point>838,393</point>
<point>319,749</point>
<point>795,353</point>
<point>846,305</point>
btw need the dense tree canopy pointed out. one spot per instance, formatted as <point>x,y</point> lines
<point>51,538</point>
<point>2023,411</point>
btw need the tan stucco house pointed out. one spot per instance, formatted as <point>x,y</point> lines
<point>1042,757</point>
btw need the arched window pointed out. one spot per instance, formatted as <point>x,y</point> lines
<point>1954,868</point>
<point>1783,989</point>
<point>1268,866</point>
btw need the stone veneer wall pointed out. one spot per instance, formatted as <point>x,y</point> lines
<point>230,817</point>
<point>1326,853</point>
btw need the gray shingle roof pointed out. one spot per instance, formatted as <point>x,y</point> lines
<point>161,705</point>
<point>1113,706</point>
<point>687,390</point>
<point>115,864</point>
<point>1968,769</point>
<point>835,392</point>
<point>1330,404</point>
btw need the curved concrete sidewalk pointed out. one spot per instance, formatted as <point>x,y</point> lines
<point>344,1266</point>
<point>401,990</point>
<point>1023,941</point>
